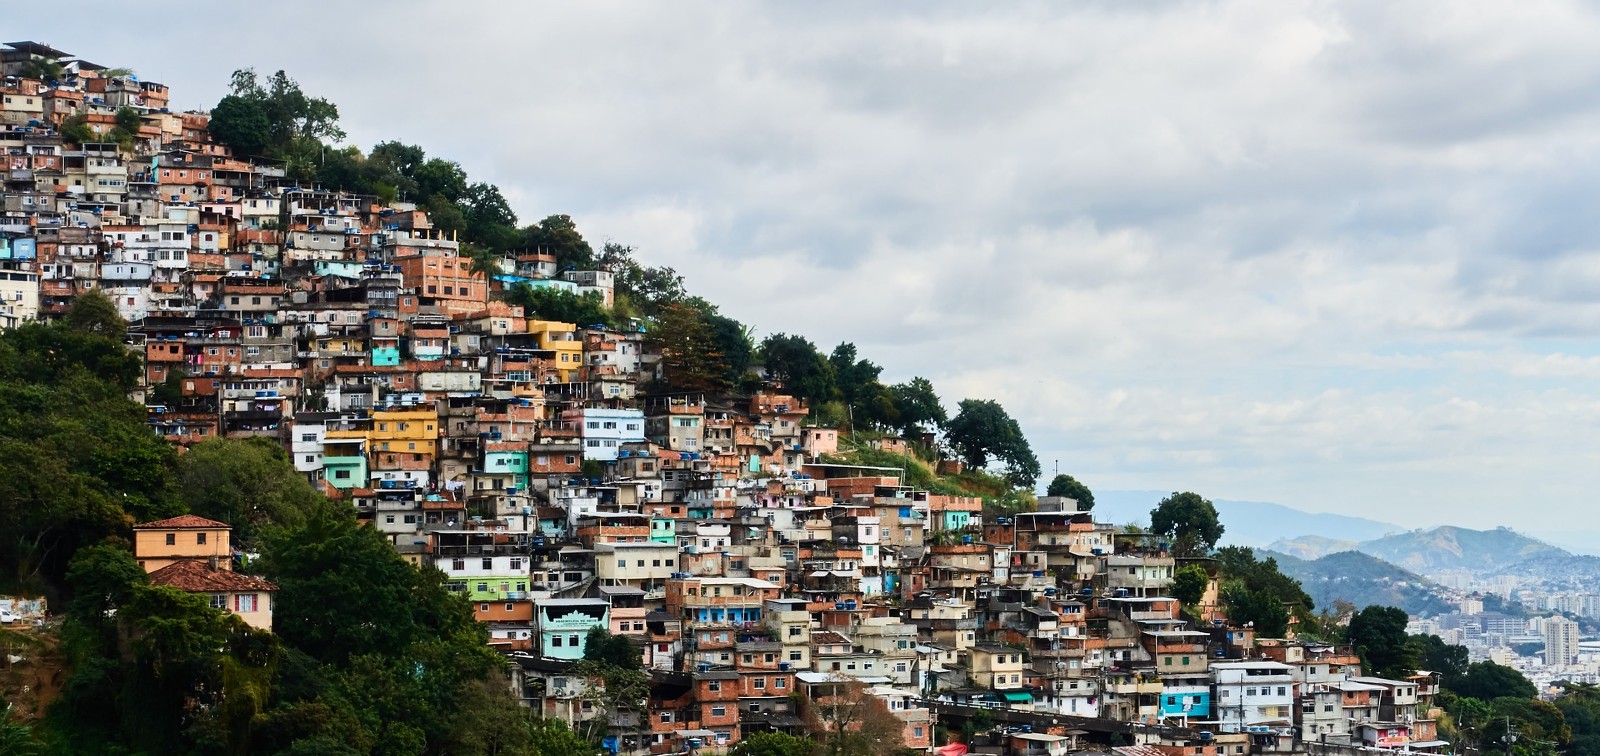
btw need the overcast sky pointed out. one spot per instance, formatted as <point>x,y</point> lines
<point>1341,256</point>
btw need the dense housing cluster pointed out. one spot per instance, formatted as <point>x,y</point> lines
<point>532,464</point>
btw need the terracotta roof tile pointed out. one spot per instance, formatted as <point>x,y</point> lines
<point>198,576</point>
<point>182,521</point>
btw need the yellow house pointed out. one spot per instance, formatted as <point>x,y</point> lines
<point>160,543</point>
<point>996,667</point>
<point>563,339</point>
<point>405,430</point>
<point>247,596</point>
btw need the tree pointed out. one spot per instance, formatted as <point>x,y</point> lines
<point>795,361</point>
<point>1486,680</point>
<point>249,484</point>
<point>1256,591</point>
<point>1190,520</point>
<point>558,235</point>
<point>560,306</point>
<point>1378,634</point>
<point>981,431</point>
<point>343,591</point>
<point>773,744</point>
<point>847,721</point>
<point>919,406</point>
<point>75,129</point>
<point>1262,610</point>
<point>93,313</point>
<point>600,645</point>
<point>689,361</point>
<point>1189,584</point>
<point>43,69</point>
<point>1539,726</point>
<point>874,407</point>
<point>732,339</point>
<point>851,375</point>
<point>552,737</point>
<point>1434,655</point>
<point>1068,486</point>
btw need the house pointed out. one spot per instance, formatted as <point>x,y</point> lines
<point>163,542</point>
<point>564,625</point>
<point>247,596</point>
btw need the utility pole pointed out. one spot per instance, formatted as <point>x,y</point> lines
<point>1508,738</point>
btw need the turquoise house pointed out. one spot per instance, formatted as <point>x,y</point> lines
<point>564,625</point>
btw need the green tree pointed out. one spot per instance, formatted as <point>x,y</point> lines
<point>75,129</point>
<point>1262,610</point>
<point>558,235</point>
<point>43,69</point>
<point>919,406</point>
<point>982,431</point>
<point>689,360</point>
<point>1378,634</point>
<point>1434,655</point>
<point>874,407</point>
<point>774,744</point>
<point>1539,727</point>
<point>1068,486</point>
<point>1189,584</point>
<point>852,375</point>
<point>559,306</point>
<point>249,484</point>
<point>343,591</point>
<point>552,737</point>
<point>1580,707</point>
<point>1486,680</point>
<point>802,369</point>
<point>1190,520</point>
<point>600,645</point>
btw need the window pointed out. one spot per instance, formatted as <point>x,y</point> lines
<point>780,683</point>
<point>719,711</point>
<point>488,563</point>
<point>458,564</point>
<point>172,539</point>
<point>715,686</point>
<point>572,640</point>
<point>483,587</point>
<point>1282,690</point>
<point>244,602</point>
<point>760,683</point>
<point>219,601</point>
<point>555,641</point>
<point>200,538</point>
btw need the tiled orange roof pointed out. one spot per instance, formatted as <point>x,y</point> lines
<point>182,521</point>
<point>198,576</point>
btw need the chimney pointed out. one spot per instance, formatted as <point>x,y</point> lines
<point>211,563</point>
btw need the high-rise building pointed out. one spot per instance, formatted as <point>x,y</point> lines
<point>1560,642</point>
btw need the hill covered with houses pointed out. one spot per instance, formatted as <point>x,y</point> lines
<point>323,450</point>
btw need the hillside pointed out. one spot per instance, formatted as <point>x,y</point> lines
<point>1312,546</point>
<point>1249,523</point>
<point>1362,580</point>
<point>1455,548</point>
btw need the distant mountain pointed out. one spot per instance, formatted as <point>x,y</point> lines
<point>1362,580</point>
<point>1453,548</point>
<point>1246,523</point>
<point>1312,546</point>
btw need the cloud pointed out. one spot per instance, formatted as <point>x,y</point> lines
<point>1337,255</point>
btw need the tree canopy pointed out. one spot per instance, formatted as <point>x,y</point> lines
<point>981,431</point>
<point>1068,486</point>
<point>1190,520</point>
<point>1378,635</point>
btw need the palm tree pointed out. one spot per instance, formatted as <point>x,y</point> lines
<point>45,69</point>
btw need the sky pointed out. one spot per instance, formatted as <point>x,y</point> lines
<point>1340,256</point>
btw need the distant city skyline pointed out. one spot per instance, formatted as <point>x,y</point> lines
<point>1335,256</point>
